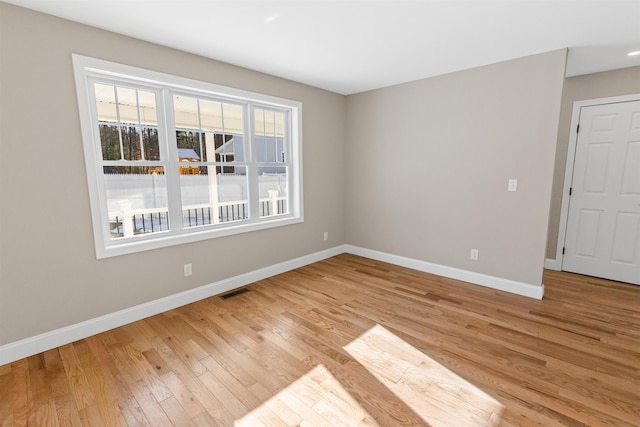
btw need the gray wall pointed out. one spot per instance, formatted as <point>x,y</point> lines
<point>580,88</point>
<point>49,275</point>
<point>428,164</point>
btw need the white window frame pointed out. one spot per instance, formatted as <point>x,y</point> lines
<point>86,69</point>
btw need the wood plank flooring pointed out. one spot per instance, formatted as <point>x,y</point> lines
<point>350,341</point>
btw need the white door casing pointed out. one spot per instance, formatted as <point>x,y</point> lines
<point>603,220</point>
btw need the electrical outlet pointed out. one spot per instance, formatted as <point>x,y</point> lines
<point>326,235</point>
<point>474,254</point>
<point>187,270</point>
<point>513,185</point>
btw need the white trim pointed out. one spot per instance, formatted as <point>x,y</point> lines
<point>48,340</point>
<point>552,264</point>
<point>142,75</point>
<point>519,288</point>
<point>160,241</point>
<point>571,154</point>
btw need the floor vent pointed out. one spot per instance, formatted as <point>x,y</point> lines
<point>234,293</point>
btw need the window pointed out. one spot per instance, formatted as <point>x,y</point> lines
<point>171,160</point>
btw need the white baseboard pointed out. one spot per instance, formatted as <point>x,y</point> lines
<point>552,264</point>
<point>519,288</point>
<point>48,340</point>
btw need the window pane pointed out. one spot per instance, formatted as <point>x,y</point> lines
<point>110,141</point>
<point>211,115</point>
<point>131,143</point>
<point>232,118</point>
<point>188,146</point>
<point>279,124</point>
<point>272,185</point>
<point>127,105</point>
<point>147,105</point>
<point>185,111</point>
<point>136,200</point>
<point>106,103</point>
<point>217,124</point>
<point>279,137</point>
<point>107,112</point>
<point>211,197</point>
<point>268,149</point>
<point>269,136</point>
<point>118,105</point>
<point>226,148</point>
<point>270,123</point>
<point>151,143</point>
<point>234,150</point>
<point>259,118</point>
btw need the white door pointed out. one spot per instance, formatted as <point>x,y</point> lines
<point>603,226</point>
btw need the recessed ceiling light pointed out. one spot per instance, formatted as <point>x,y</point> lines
<point>271,18</point>
<point>634,53</point>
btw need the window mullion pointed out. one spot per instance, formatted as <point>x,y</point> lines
<point>172,165</point>
<point>293,161</point>
<point>287,160</point>
<point>252,168</point>
<point>139,126</point>
<point>115,91</point>
<point>98,171</point>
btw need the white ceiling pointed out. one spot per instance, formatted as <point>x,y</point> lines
<point>353,46</point>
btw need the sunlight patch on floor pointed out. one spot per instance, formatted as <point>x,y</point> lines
<point>423,386</point>
<point>433,392</point>
<point>315,399</point>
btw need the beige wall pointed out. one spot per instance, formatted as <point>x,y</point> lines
<point>428,164</point>
<point>580,88</point>
<point>49,275</point>
<point>417,170</point>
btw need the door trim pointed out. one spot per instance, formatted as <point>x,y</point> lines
<point>571,154</point>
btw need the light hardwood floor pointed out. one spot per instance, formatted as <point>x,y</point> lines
<point>350,341</point>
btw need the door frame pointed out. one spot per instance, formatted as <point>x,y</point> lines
<point>571,155</point>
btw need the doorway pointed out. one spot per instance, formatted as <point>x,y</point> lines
<point>602,189</point>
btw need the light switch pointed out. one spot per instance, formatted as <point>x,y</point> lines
<point>513,185</point>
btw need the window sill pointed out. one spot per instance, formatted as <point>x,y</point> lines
<point>140,243</point>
